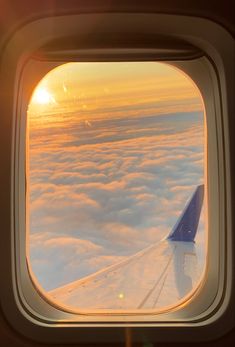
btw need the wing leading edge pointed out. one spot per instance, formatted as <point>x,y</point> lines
<point>186,227</point>
<point>156,277</point>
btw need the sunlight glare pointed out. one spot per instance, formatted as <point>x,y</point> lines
<point>42,96</point>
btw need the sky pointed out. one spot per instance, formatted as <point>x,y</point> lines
<point>115,150</point>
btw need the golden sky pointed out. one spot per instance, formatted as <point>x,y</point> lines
<point>104,90</point>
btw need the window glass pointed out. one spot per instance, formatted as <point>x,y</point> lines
<point>116,158</point>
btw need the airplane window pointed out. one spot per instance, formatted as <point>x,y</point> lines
<point>116,186</point>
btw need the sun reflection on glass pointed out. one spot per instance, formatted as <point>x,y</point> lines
<point>121,296</point>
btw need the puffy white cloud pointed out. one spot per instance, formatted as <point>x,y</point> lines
<point>103,192</point>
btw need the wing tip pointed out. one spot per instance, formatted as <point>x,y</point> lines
<point>186,226</point>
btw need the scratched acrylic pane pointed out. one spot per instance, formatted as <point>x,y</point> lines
<point>117,218</point>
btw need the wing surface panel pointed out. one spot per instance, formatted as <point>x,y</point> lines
<point>158,276</point>
<point>149,279</point>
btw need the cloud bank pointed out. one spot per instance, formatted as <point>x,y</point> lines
<point>94,201</point>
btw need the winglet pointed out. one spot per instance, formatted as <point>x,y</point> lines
<point>186,227</point>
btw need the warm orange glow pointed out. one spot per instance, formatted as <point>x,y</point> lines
<point>95,90</point>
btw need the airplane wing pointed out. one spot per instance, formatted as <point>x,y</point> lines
<point>156,277</point>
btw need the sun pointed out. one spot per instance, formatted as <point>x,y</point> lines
<point>42,96</point>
